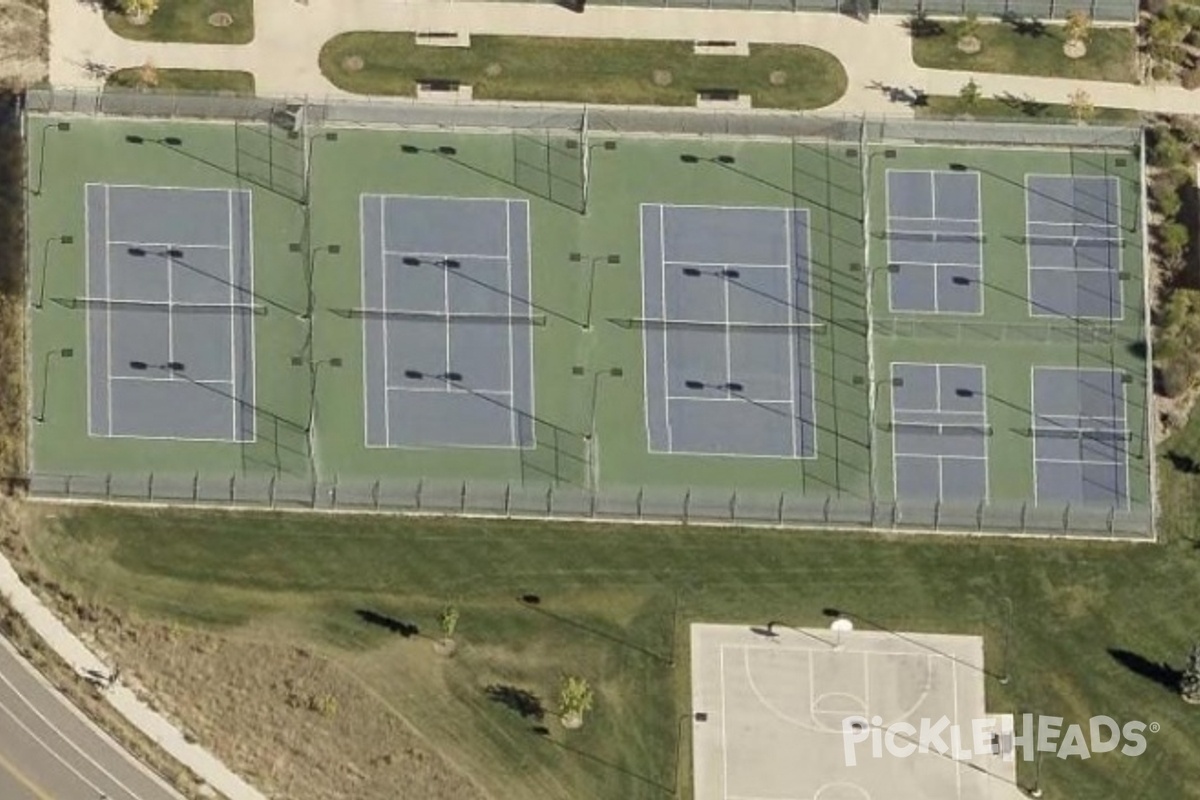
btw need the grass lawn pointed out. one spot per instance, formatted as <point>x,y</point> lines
<point>1093,622</point>
<point>1031,49</point>
<point>584,70</point>
<point>187,21</point>
<point>1017,108</point>
<point>188,80</point>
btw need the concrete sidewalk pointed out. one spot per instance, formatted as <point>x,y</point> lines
<point>68,646</point>
<point>877,55</point>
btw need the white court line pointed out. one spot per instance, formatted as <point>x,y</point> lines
<point>395,387</point>
<point>170,311</point>
<point>790,246</point>
<point>383,325</point>
<point>171,379</point>
<point>662,254</point>
<point>443,256</point>
<point>508,283</point>
<point>169,245</point>
<point>723,265</point>
<point>731,399</point>
<point>108,370</point>
<point>233,401</point>
<point>446,312</point>
<point>1090,461</point>
<point>1108,270</point>
<point>728,336</point>
<point>87,273</point>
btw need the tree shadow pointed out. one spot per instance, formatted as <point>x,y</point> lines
<point>405,629</point>
<point>1025,106</point>
<point>542,731</point>
<point>1031,27</point>
<point>920,26</point>
<point>514,698</point>
<point>1161,673</point>
<point>1183,462</point>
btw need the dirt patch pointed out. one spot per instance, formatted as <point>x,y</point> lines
<point>353,63</point>
<point>662,77</point>
<point>493,70</point>
<point>220,19</point>
<point>777,77</point>
<point>24,49</point>
<point>1074,49</point>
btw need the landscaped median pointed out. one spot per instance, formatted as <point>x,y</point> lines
<point>615,71</point>
<point>190,21</point>
<point>183,80</point>
<point>1025,47</point>
<point>1016,108</point>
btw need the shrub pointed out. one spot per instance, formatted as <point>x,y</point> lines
<point>1156,8</point>
<point>1166,149</point>
<point>139,9</point>
<point>1173,239</point>
<point>1177,341</point>
<point>1190,78</point>
<point>1164,192</point>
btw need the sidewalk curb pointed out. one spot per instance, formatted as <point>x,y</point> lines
<point>155,726</point>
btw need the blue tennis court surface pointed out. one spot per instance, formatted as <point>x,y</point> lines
<point>939,432</point>
<point>1074,246</point>
<point>170,313</point>
<point>448,361</point>
<point>1081,438</point>
<point>934,241</point>
<point>728,331</point>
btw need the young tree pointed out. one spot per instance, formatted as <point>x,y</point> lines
<point>1077,28</point>
<point>147,76</point>
<point>448,620</point>
<point>968,34</point>
<point>1189,684</point>
<point>139,11</point>
<point>575,698</point>
<point>969,95</point>
<point>1082,108</point>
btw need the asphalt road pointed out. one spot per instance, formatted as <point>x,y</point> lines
<point>49,751</point>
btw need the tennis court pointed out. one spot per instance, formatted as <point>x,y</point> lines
<point>170,310</point>
<point>1074,243</point>
<point>940,432</point>
<point>934,241</point>
<point>446,319</point>
<point>1081,436</point>
<point>728,331</point>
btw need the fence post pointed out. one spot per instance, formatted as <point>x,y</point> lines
<point>507,498</point>
<point>937,514</point>
<point>550,499</point>
<point>979,517</point>
<point>107,486</point>
<point>333,493</point>
<point>638,502</point>
<point>271,490</point>
<point>687,504</point>
<point>779,515</point>
<point>375,494</point>
<point>825,509</point>
<point>67,486</point>
<point>150,487</point>
<point>1067,518</point>
<point>420,486</point>
<point>196,488</point>
<point>462,498</point>
<point>1112,520</point>
<point>733,505</point>
<point>1024,508</point>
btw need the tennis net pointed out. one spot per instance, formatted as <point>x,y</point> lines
<point>171,306</point>
<point>940,429</point>
<point>443,318</point>
<point>717,326</point>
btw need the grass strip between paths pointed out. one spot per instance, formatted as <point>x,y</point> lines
<point>1029,48</point>
<point>625,72</point>
<point>190,21</point>
<point>184,80</point>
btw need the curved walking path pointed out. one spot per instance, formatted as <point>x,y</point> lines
<point>289,36</point>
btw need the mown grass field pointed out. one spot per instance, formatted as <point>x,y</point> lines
<point>623,72</point>
<point>188,21</point>
<point>1028,48</point>
<point>1094,623</point>
<point>184,80</point>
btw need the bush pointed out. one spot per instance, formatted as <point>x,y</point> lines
<point>1166,149</point>
<point>1156,8</point>
<point>1173,240</point>
<point>1177,341</point>
<point>1191,77</point>
<point>1164,192</point>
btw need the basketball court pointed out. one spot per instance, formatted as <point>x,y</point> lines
<point>770,704</point>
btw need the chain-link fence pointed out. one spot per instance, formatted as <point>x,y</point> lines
<point>565,498</point>
<point>630,503</point>
<point>633,120</point>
